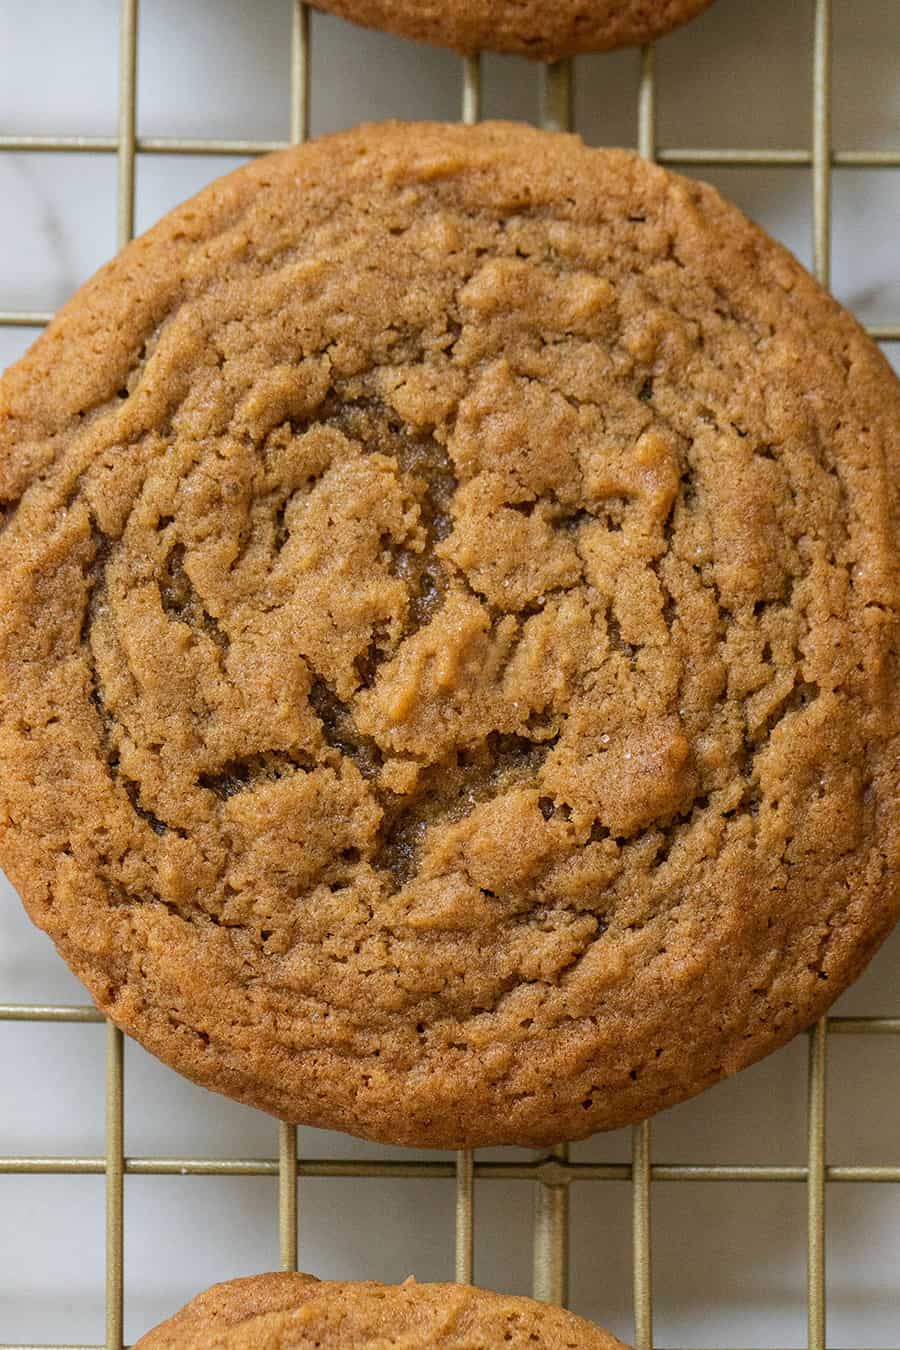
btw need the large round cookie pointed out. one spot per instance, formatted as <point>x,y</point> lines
<point>544,29</point>
<point>449,637</point>
<point>297,1312</point>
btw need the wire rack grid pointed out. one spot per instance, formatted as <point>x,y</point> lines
<point>550,1174</point>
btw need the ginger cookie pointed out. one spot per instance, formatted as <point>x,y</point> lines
<point>298,1312</point>
<point>448,637</point>
<point>543,29</point>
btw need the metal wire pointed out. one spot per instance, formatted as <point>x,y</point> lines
<point>550,1246</point>
<point>557,95</point>
<point>465,1216</point>
<point>821,140</point>
<point>550,1279</point>
<point>547,1171</point>
<point>815,1190</point>
<point>764,158</point>
<point>641,1175</point>
<point>821,194</point>
<point>471,89</point>
<point>114,1167</point>
<point>287,1195</point>
<point>299,72</point>
<point>551,1174</point>
<point>115,1087</point>
<point>287,1134</point>
<point>647,104</point>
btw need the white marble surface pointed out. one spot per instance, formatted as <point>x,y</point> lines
<point>729,1260</point>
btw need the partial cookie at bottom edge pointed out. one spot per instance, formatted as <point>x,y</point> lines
<point>298,1312</point>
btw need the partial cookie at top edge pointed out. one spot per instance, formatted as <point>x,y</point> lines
<point>541,29</point>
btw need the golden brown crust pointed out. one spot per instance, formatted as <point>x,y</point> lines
<point>542,29</point>
<point>298,1312</point>
<point>229,1305</point>
<point>448,637</point>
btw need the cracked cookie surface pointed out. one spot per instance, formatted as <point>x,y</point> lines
<point>299,1312</point>
<point>448,639</point>
<point>542,29</point>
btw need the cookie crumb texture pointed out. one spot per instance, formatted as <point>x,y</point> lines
<point>542,29</point>
<point>449,637</point>
<point>297,1312</point>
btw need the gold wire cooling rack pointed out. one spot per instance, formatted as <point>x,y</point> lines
<point>552,1173</point>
